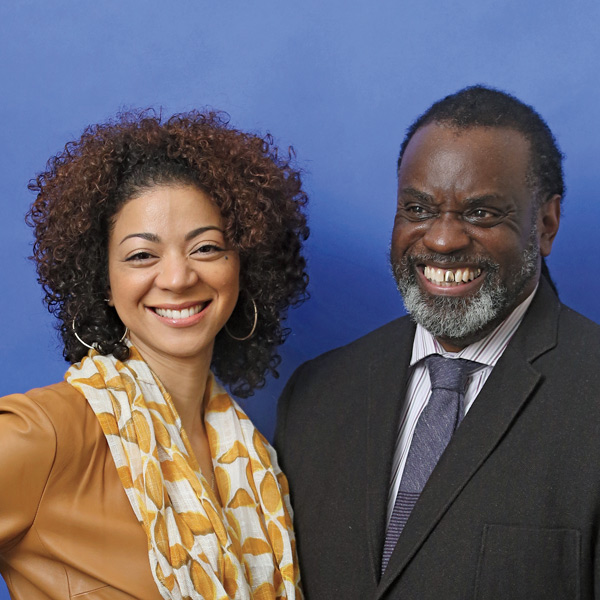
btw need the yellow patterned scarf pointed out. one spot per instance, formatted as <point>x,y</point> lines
<point>198,549</point>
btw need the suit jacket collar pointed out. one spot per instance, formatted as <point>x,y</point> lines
<point>508,388</point>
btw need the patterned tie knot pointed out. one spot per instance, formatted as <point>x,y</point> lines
<point>450,373</point>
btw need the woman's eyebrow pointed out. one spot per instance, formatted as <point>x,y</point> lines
<point>152,237</point>
<point>192,234</point>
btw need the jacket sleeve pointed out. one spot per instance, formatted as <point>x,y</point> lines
<point>27,454</point>
<point>283,406</point>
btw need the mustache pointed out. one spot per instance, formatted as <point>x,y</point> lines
<point>411,260</point>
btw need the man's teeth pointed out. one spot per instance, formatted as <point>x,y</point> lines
<point>179,314</point>
<point>450,275</point>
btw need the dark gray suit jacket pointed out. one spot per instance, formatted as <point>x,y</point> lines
<point>512,510</point>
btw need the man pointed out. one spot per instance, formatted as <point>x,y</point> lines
<point>489,487</point>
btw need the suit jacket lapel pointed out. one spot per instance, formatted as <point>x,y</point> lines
<point>509,386</point>
<point>388,374</point>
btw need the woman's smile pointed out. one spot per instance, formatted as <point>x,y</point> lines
<point>183,316</point>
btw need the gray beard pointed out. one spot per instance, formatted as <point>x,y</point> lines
<point>458,318</point>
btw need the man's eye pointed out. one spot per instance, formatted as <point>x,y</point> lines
<point>416,212</point>
<point>482,216</point>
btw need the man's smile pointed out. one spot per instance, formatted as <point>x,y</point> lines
<point>450,277</point>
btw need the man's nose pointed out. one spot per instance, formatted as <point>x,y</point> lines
<point>446,233</point>
<point>177,273</point>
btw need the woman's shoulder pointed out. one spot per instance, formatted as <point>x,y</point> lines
<point>29,442</point>
<point>50,415</point>
<point>53,400</point>
<point>49,437</point>
<point>48,427</point>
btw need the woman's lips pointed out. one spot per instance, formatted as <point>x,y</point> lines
<point>186,315</point>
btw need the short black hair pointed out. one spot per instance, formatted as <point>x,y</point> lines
<point>482,106</point>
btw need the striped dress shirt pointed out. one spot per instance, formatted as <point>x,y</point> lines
<point>486,351</point>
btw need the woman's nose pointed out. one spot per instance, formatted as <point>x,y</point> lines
<point>176,273</point>
<point>446,234</point>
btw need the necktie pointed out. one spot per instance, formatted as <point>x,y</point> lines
<point>438,421</point>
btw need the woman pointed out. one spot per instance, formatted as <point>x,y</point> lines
<point>169,251</point>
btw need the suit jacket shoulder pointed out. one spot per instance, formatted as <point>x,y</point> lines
<point>343,365</point>
<point>370,345</point>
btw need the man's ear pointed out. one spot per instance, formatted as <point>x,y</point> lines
<point>548,222</point>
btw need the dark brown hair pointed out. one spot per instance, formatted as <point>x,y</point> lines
<point>258,192</point>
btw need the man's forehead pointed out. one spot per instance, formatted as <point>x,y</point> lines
<point>436,143</point>
<point>468,135</point>
<point>443,160</point>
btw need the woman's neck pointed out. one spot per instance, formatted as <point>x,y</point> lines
<point>185,380</point>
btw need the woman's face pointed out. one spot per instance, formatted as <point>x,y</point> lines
<point>173,280</point>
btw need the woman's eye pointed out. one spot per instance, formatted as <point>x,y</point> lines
<point>139,256</point>
<point>208,249</point>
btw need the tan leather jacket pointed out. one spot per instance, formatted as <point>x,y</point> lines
<point>67,529</point>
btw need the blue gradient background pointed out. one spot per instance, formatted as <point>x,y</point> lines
<point>341,81</point>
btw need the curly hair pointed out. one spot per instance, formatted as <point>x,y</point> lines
<point>258,192</point>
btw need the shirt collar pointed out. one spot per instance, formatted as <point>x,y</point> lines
<point>486,351</point>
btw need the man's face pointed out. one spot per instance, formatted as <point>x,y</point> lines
<point>468,234</point>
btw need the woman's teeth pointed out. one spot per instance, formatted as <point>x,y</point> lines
<point>456,276</point>
<point>179,314</point>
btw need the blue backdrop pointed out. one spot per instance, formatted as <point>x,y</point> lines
<point>339,80</point>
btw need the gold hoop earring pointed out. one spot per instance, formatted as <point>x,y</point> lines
<point>95,346</point>
<point>241,339</point>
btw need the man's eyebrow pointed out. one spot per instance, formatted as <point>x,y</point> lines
<point>152,237</point>
<point>473,200</point>
<point>416,194</point>
<point>483,198</point>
